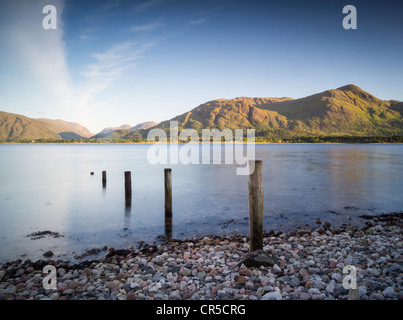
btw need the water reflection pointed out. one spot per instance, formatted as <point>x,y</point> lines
<point>47,187</point>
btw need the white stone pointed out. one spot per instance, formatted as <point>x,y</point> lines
<point>337,276</point>
<point>388,292</point>
<point>272,296</point>
<point>330,288</point>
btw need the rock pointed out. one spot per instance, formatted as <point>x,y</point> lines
<point>246,272</point>
<point>317,297</point>
<point>2,274</point>
<point>388,292</point>
<point>272,296</point>
<point>337,276</point>
<point>259,258</point>
<point>131,296</point>
<point>185,272</point>
<point>48,254</point>
<point>240,280</point>
<point>201,275</point>
<point>305,296</point>
<point>112,285</point>
<point>330,288</point>
<point>276,269</point>
<point>54,296</point>
<point>29,270</point>
<point>20,286</point>
<point>73,285</point>
<point>362,291</point>
<point>20,272</point>
<point>314,291</point>
<point>68,292</point>
<point>303,231</point>
<point>87,272</point>
<point>376,296</point>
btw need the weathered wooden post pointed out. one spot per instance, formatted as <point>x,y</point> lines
<point>255,206</point>
<point>128,186</point>
<point>168,202</point>
<point>104,179</point>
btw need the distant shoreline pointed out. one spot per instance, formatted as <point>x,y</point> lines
<point>258,143</point>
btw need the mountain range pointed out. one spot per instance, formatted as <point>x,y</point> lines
<point>345,111</point>
<point>17,128</point>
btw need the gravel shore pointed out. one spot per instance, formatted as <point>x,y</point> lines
<point>309,267</point>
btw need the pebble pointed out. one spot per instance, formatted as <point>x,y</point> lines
<point>388,292</point>
<point>272,296</point>
<point>376,296</point>
<point>305,296</point>
<point>309,267</point>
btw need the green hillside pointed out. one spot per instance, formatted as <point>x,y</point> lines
<point>346,111</point>
<point>17,128</point>
<point>67,130</point>
<point>14,128</point>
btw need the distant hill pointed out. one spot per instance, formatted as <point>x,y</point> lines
<point>344,111</point>
<point>15,128</point>
<point>144,125</point>
<point>124,132</point>
<point>347,111</point>
<point>111,129</point>
<point>67,130</point>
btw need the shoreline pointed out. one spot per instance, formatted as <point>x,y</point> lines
<point>309,266</point>
<point>156,142</point>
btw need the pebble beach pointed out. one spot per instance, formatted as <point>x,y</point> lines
<point>308,265</point>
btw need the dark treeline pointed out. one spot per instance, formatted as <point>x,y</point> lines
<point>312,139</point>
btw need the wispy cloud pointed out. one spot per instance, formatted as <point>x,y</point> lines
<point>111,64</point>
<point>87,33</point>
<point>146,27</point>
<point>107,68</point>
<point>199,21</point>
<point>40,72</point>
<point>111,4</point>
<point>145,5</point>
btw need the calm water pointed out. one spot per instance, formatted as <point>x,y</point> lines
<point>49,187</point>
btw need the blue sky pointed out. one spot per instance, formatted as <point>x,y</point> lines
<point>112,62</point>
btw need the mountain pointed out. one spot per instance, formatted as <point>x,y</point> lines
<point>347,111</point>
<point>15,127</point>
<point>111,129</point>
<point>124,132</point>
<point>66,130</point>
<point>144,125</point>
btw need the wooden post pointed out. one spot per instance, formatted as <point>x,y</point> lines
<point>168,192</point>
<point>255,206</point>
<point>168,202</point>
<point>128,186</point>
<point>104,179</point>
<point>168,227</point>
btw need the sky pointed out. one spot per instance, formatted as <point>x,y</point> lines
<point>115,62</point>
